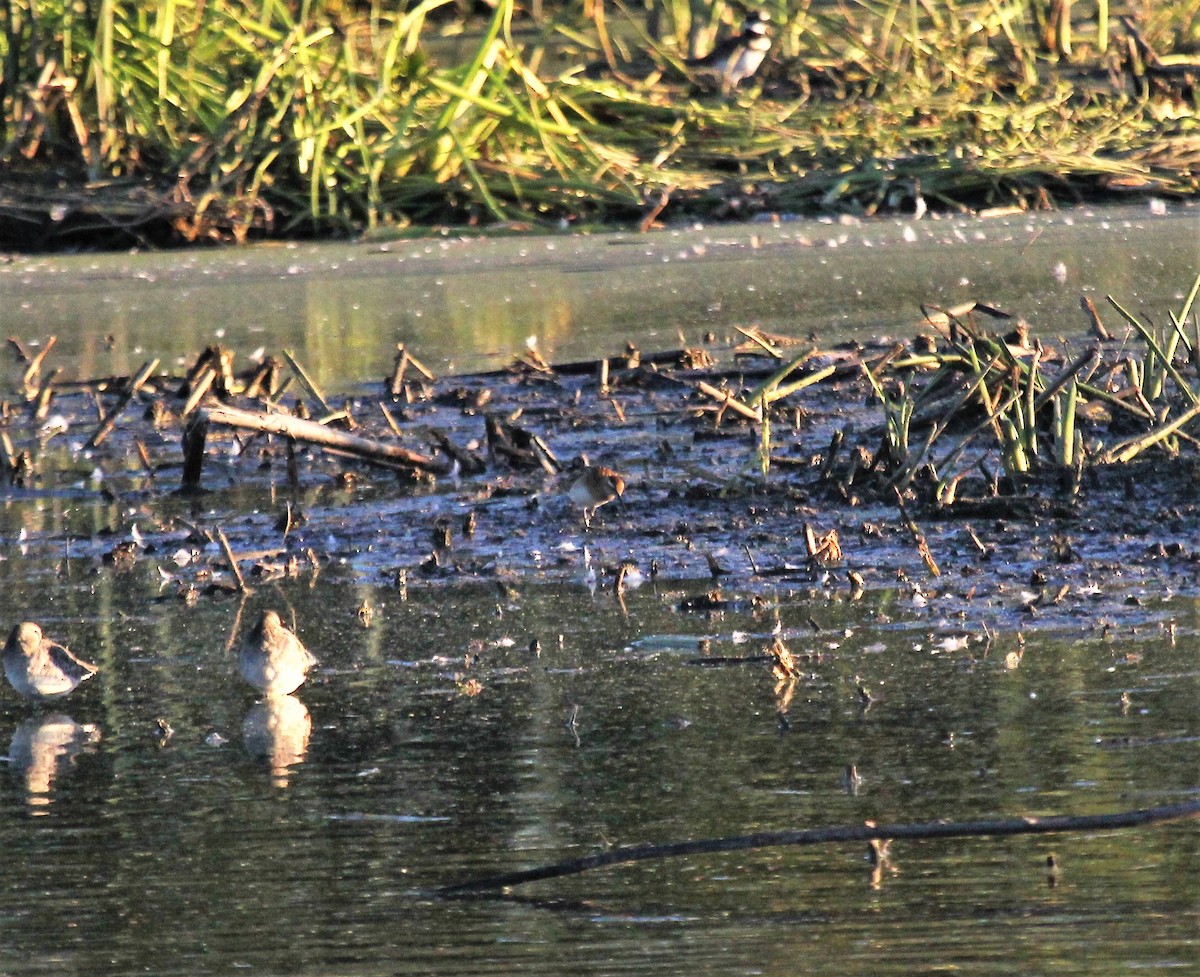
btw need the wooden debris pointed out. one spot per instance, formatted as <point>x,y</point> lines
<point>728,401</point>
<point>313,433</point>
<point>110,421</point>
<point>194,435</point>
<point>264,382</point>
<point>199,389</point>
<point>29,380</point>
<point>885,833</point>
<point>923,549</point>
<point>518,447</point>
<point>1093,317</point>
<point>232,561</point>
<point>41,405</point>
<point>405,359</point>
<point>306,382</point>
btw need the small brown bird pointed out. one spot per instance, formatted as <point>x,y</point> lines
<point>38,668</point>
<point>597,486</point>
<point>272,658</point>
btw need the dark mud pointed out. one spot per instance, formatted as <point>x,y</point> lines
<point>487,499</point>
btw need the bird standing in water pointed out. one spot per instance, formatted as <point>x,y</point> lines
<point>273,659</point>
<point>736,58</point>
<point>38,668</point>
<point>595,487</point>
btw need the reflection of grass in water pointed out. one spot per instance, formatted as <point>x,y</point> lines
<point>329,119</point>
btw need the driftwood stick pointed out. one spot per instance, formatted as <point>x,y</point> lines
<point>110,420</point>
<point>839,833</point>
<point>41,405</point>
<point>35,363</point>
<point>200,387</point>
<point>391,420</point>
<point>415,363</point>
<point>313,433</point>
<point>396,384</point>
<point>306,381</point>
<point>232,561</point>
<point>204,361</point>
<point>264,380</point>
<point>1093,317</point>
<point>922,545</point>
<point>728,400</point>
<point>144,457</point>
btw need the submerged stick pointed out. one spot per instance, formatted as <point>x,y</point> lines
<point>840,833</point>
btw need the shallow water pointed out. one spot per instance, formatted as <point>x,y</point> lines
<point>204,855</point>
<point>305,837</point>
<point>463,304</point>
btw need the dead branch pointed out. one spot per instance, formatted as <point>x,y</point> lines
<point>314,433</point>
<point>110,419</point>
<point>835,834</point>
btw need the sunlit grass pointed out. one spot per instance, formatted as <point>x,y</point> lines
<point>326,117</point>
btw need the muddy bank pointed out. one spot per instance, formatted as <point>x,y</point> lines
<point>424,481</point>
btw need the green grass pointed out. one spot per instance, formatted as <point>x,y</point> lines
<point>334,118</point>
<point>985,403</point>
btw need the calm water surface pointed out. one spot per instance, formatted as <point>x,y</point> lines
<point>434,745</point>
<point>464,304</point>
<point>303,847</point>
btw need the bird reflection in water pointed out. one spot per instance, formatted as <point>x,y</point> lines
<point>277,730</point>
<point>43,748</point>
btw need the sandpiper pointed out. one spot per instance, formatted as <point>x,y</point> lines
<point>38,668</point>
<point>736,58</point>
<point>272,658</point>
<point>596,486</point>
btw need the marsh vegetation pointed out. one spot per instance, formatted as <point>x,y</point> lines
<point>187,121</point>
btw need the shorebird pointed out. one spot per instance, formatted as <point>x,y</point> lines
<point>596,486</point>
<point>272,658</point>
<point>736,58</point>
<point>38,668</point>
